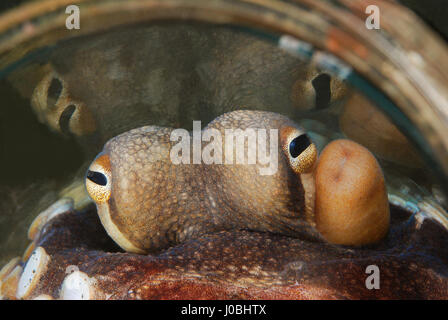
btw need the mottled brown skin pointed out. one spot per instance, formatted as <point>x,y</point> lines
<point>156,203</point>
<point>249,265</point>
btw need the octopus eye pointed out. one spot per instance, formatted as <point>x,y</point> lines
<point>97,177</point>
<point>299,149</point>
<point>298,145</point>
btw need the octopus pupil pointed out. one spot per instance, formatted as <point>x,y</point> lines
<point>298,145</point>
<point>97,177</point>
<point>64,119</point>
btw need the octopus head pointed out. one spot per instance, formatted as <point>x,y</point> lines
<point>254,170</point>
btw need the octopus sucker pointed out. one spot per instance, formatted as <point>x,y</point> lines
<point>7,268</point>
<point>344,201</point>
<point>9,278</point>
<point>58,207</point>
<point>32,273</point>
<point>9,284</point>
<point>43,297</point>
<point>240,264</point>
<point>225,231</point>
<point>29,251</point>
<point>79,286</point>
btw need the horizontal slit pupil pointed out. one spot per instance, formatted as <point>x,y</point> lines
<point>97,177</point>
<point>298,145</point>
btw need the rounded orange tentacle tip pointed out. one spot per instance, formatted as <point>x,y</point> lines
<point>352,206</point>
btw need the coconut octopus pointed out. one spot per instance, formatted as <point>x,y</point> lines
<point>314,229</point>
<point>309,230</point>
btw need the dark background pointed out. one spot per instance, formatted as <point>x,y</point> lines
<point>433,12</point>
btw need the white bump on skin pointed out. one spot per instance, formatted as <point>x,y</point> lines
<point>77,286</point>
<point>60,206</point>
<point>44,297</point>
<point>34,269</point>
<point>124,183</point>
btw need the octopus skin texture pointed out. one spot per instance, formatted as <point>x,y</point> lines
<point>231,265</point>
<point>147,202</point>
<point>278,248</point>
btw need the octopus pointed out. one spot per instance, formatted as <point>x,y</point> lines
<point>313,229</point>
<point>90,85</point>
<point>89,89</point>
